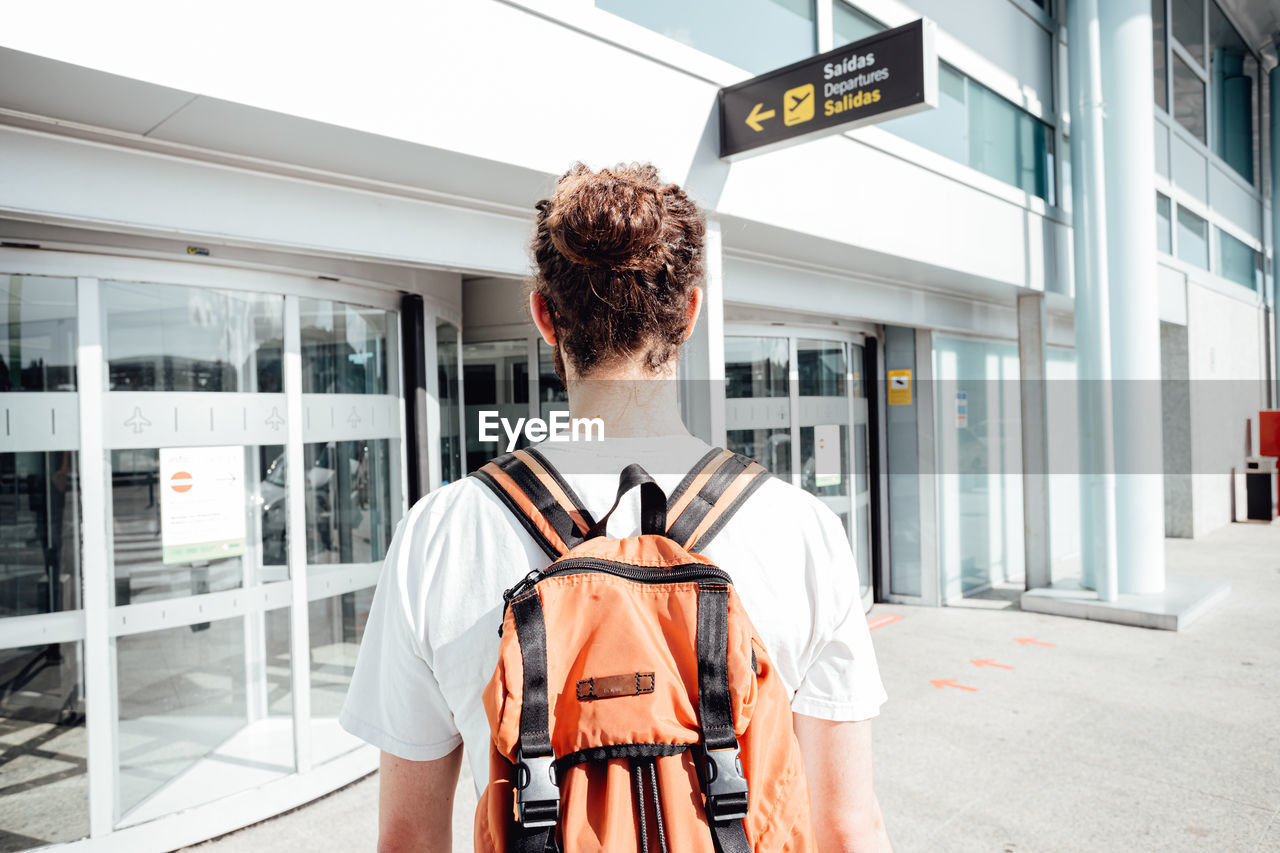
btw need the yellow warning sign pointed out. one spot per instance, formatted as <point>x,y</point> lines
<point>899,387</point>
<point>797,105</point>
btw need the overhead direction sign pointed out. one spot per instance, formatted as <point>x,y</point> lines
<point>889,74</point>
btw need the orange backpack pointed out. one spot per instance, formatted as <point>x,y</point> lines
<point>633,707</point>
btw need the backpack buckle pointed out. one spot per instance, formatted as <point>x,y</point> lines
<point>537,792</point>
<point>725,787</point>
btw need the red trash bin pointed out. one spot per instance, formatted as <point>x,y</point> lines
<point>1269,438</point>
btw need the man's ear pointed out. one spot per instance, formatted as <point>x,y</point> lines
<point>691,312</point>
<point>542,318</point>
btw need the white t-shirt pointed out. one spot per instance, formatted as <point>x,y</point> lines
<point>431,642</point>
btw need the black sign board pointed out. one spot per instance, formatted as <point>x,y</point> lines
<point>883,76</point>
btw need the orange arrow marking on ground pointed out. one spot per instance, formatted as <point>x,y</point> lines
<point>950,682</point>
<point>881,621</point>
<point>988,662</point>
<point>1022,641</point>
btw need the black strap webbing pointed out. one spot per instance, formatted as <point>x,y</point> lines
<point>653,503</point>
<point>718,525</point>
<point>684,526</point>
<point>693,473</point>
<point>537,797</point>
<point>715,712</point>
<point>730,837</point>
<point>543,499</point>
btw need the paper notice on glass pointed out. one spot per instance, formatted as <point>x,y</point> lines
<point>202,503</point>
<point>826,455</point>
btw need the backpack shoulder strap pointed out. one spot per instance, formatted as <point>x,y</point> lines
<point>540,498</point>
<point>709,495</point>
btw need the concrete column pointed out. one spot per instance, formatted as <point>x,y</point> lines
<point>702,357</point>
<point>1274,79</point>
<point>1034,401</point>
<point>1129,151</point>
<point>1092,303</point>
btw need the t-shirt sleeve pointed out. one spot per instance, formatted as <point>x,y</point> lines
<point>394,701</point>
<point>842,680</point>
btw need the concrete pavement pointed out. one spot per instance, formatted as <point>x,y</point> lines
<point>1085,736</point>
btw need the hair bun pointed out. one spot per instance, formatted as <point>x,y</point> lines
<point>606,220</point>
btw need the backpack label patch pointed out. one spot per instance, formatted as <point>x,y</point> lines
<point>610,686</point>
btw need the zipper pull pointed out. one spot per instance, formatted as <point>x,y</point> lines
<point>525,583</point>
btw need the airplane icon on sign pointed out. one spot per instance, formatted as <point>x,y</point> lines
<point>137,421</point>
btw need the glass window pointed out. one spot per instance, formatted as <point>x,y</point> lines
<point>495,376</point>
<point>1164,227</point>
<point>850,25</point>
<point>756,367</point>
<point>1188,98</point>
<point>1193,238</point>
<point>1233,76</point>
<point>348,500</point>
<point>447,390</point>
<point>1188,27</point>
<point>277,669</point>
<point>150,565</point>
<point>42,746</point>
<point>758,414</point>
<point>345,348</point>
<point>182,702</point>
<point>1160,48</point>
<point>336,628</point>
<point>38,352</point>
<point>163,337</point>
<point>753,34</point>
<point>1239,261</point>
<point>39,533</point>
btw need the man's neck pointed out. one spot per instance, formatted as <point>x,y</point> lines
<point>631,404</point>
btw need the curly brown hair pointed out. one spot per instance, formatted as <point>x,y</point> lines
<point>618,253</point>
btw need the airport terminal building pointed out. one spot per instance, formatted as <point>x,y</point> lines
<point>262,267</point>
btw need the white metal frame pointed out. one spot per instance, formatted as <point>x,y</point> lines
<point>100,623</point>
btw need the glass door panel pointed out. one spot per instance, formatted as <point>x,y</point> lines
<point>757,400</point>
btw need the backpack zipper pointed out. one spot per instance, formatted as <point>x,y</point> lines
<point>581,565</point>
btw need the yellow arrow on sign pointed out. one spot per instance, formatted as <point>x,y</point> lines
<point>757,116</point>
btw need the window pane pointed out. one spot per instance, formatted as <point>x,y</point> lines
<point>38,351</point>
<point>1164,227</point>
<point>182,699</point>
<point>1159,49</point>
<point>1188,98</point>
<point>151,564</point>
<point>823,368</point>
<point>39,533</point>
<point>164,337</point>
<point>850,25</point>
<point>1193,238</point>
<point>42,747</point>
<point>1239,261</point>
<point>1233,72</point>
<point>336,628</point>
<point>756,367</point>
<point>345,348</point>
<point>348,503</point>
<point>495,376</point>
<point>1188,26</point>
<point>447,385</point>
<point>820,478</point>
<point>753,34</point>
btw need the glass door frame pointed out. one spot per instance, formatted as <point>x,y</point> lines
<point>794,333</point>
<point>101,622</point>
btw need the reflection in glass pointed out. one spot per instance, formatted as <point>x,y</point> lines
<point>348,500</point>
<point>1193,238</point>
<point>1239,261</point>
<point>39,533</point>
<point>1233,72</point>
<point>1159,47</point>
<point>849,24</point>
<point>822,368</point>
<point>1188,98</point>
<point>43,780</point>
<point>755,367</point>
<point>345,348</point>
<point>182,696</point>
<point>770,447</point>
<point>1164,224</point>
<point>826,480</point>
<point>162,337</point>
<point>495,377</point>
<point>277,662</point>
<point>337,626</point>
<point>753,34</point>
<point>38,316</point>
<point>1188,27</point>
<point>447,385</point>
<point>137,538</point>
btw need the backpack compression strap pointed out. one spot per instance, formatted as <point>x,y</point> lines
<point>709,495</point>
<point>540,498</point>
